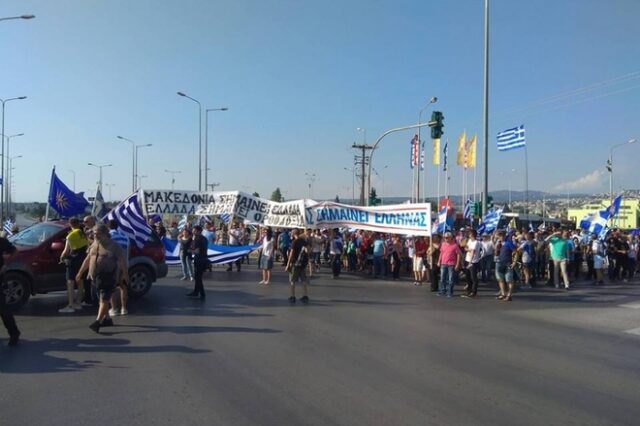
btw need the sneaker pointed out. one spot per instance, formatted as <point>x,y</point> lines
<point>77,306</point>
<point>123,311</point>
<point>114,312</point>
<point>292,300</point>
<point>184,279</point>
<point>557,286</point>
<point>261,282</point>
<point>85,304</point>
<point>106,322</point>
<point>95,326</point>
<point>191,279</point>
<point>67,310</point>
<point>304,299</point>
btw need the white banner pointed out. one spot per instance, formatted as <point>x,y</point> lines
<point>406,219</point>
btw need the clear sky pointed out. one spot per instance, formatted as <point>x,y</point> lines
<point>300,76</point>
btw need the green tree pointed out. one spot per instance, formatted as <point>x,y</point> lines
<point>255,194</point>
<point>337,200</point>
<point>276,195</point>
<point>373,198</point>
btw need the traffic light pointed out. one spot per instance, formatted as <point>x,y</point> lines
<point>477,208</point>
<point>436,124</point>
<point>489,202</point>
<point>373,198</point>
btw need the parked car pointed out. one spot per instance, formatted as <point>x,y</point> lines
<point>36,268</point>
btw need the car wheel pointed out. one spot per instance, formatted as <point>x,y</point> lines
<point>140,279</point>
<point>15,290</point>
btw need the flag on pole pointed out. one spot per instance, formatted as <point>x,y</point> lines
<point>442,219</point>
<point>98,210</point>
<point>511,139</point>
<point>490,221</point>
<point>436,152</point>
<point>462,150</point>
<point>8,227</point>
<point>182,223</point>
<point>130,220</point>
<point>471,152</point>
<point>63,200</point>
<point>422,157</point>
<point>445,153</point>
<point>468,212</point>
<point>415,152</point>
<point>597,222</point>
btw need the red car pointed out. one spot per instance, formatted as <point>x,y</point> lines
<point>36,269</point>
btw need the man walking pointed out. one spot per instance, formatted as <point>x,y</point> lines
<point>123,241</point>
<point>450,262</point>
<point>7,251</point>
<point>297,266</point>
<point>559,249</point>
<point>199,247</point>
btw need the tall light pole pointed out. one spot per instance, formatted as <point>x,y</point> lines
<point>138,155</point>
<point>100,167</point>
<point>199,138</point>
<point>173,175</point>
<point>10,180</point>
<point>311,178</point>
<point>610,165</point>
<point>206,143</point>
<point>133,161</point>
<point>485,113</point>
<point>74,179</point>
<point>353,182</point>
<point>18,17</point>
<point>7,188</point>
<point>2,153</point>
<point>432,101</point>
<point>213,185</point>
<point>509,184</point>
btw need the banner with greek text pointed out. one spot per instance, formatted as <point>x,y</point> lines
<point>406,219</point>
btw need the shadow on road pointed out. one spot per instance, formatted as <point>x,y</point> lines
<point>34,356</point>
<point>187,329</point>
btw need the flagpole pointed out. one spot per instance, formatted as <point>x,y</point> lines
<point>526,184</point>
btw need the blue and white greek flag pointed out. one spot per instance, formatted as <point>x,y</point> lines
<point>131,221</point>
<point>182,223</point>
<point>468,213</point>
<point>490,221</point>
<point>511,139</point>
<point>7,227</point>
<point>225,217</point>
<point>217,255</point>
<point>442,220</point>
<point>597,222</point>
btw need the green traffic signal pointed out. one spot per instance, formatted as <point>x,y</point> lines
<point>436,124</point>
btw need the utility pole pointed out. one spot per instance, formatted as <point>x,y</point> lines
<point>363,161</point>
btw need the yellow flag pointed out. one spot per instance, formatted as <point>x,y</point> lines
<point>471,152</point>
<point>436,152</point>
<point>462,149</point>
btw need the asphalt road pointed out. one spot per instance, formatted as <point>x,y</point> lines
<point>362,353</point>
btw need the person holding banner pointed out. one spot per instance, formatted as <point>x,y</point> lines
<point>297,266</point>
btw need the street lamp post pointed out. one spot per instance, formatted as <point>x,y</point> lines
<point>199,137</point>
<point>610,165</point>
<point>2,153</point>
<point>509,185</point>
<point>140,177</point>
<point>138,156</point>
<point>311,178</point>
<point>7,188</point>
<point>432,101</point>
<point>381,176</point>
<point>353,182</point>
<point>213,185</point>
<point>10,180</point>
<point>206,143</point>
<point>18,17</point>
<point>173,174</point>
<point>100,167</point>
<point>133,162</point>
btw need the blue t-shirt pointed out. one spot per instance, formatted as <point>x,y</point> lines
<point>378,248</point>
<point>506,252</point>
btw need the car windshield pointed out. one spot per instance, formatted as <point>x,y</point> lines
<point>35,234</point>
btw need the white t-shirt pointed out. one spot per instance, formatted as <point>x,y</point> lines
<point>267,247</point>
<point>235,236</point>
<point>473,251</point>
<point>487,247</point>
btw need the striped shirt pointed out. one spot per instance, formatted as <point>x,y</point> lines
<point>121,239</point>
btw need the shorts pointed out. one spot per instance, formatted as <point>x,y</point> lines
<point>298,274</point>
<point>418,264</point>
<point>104,286</point>
<point>266,262</point>
<point>74,263</point>
<point>504,274</point>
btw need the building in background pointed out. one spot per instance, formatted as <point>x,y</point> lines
<point>628,216</point>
